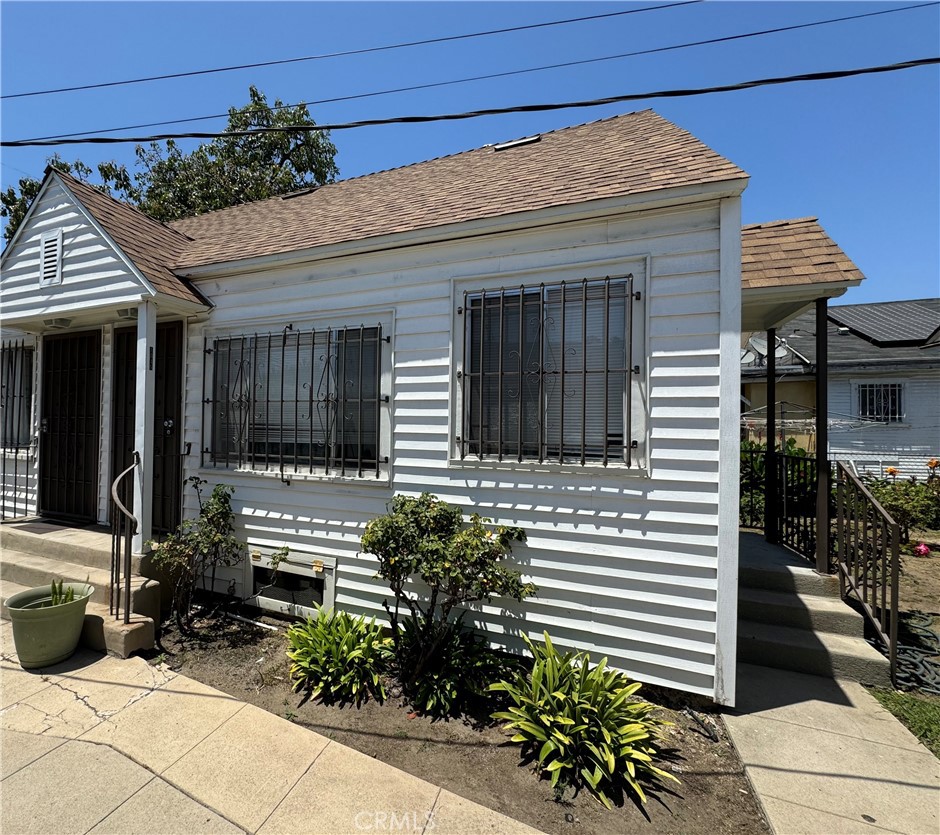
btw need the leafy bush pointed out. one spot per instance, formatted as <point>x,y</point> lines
<point>338,657</point>
<point>911,503</point>
<point>434,562</point>
<point>581,724</point>
<point>456,678</point>
<point>198,547</point>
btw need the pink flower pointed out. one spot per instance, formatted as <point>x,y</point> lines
<point>921,550</point>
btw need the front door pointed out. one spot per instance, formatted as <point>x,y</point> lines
<point>167,458</point>
<point>69,426</point>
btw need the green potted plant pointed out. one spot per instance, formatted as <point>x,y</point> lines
<point>47,622</point>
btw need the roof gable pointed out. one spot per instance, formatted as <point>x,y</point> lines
<point>623,155</point>
<point>150,245</point>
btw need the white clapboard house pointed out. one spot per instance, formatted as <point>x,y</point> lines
<point>545,331</point>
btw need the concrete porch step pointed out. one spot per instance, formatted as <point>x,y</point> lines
<point>802,611</point>
<point>89,546</point>
<point>815,653</point>
<point>31,571</point>
<point>100,631</point>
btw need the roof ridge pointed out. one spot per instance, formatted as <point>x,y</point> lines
<point>767,224</point>
<point>123,203</point>
<point>408,165</point>
<point>887,301</point>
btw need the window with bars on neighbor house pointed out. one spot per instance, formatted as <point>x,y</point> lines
<point>881,401</point>
<point>16,394</point>
<point>547,373</point>
<point>297,401</point>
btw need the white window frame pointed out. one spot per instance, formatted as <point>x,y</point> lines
<point>638,267</point>
<point>858,385</point>
<point>368,319</point>
<point>55,235</point>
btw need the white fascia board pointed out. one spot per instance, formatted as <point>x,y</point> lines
<point>661,198</point>
<point>151,290</point>
<point>27,217</point>
<point>797,292</point>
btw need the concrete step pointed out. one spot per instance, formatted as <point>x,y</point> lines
<point>100,631</point>
<point>30,570</point>
<point>89,546</point>
<point>803,611</point>
<point>815,653</point>
<point>788,578</point>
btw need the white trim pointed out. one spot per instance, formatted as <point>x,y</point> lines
<point>685,196</point>
<point>856,382</point>
<point>26,218</point>
<point>726,599</point>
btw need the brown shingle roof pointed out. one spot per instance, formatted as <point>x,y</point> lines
<point>787,252</point>
<point>623,155</point>
<point>149,244</point>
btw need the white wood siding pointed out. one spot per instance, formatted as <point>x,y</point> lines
<point>626,563</point>
<point>907,445</point>
<point>93,273</point>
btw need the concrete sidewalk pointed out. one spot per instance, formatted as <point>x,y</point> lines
<point>102,745</point>
<point>824,757</point>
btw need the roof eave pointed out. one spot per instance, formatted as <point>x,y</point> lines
<point>517,221</point>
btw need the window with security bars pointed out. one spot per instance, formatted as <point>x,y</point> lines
<point>881,401</point>
<point>547,373</point>
<point>16,394</point>
<point>298,401</point>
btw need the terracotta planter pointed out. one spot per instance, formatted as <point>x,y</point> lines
<point>42,634</point>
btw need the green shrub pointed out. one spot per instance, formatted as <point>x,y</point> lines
<point>338,657</point>
<point>456,678</point>
<point>581,724</point>
<point>911,503</point>
<point>198,547</point>
<point>434,563</point>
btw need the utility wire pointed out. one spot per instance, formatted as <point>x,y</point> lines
<point>363,51</point>
<point>494,111</point>
<point>431,85</point>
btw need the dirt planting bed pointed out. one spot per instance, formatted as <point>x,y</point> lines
<point>478,762</point>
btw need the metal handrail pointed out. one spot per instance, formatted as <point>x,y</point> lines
<point>868,558</point>
<point>124,525</point>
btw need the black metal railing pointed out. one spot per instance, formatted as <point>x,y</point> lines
<point>123,527</point>
<point>867,558</point>
<point>17,444</point>
<point>796,504</point>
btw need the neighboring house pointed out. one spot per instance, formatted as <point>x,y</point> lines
<point>544,331</point>
<point>884,382</point>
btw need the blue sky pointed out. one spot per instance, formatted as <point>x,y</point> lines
<point>862,154</point>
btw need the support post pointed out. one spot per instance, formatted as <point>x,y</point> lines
<point>822,437</point>
<point>771,505</point>
<point>143,423</point>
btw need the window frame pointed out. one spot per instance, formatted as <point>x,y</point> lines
<point>859,385</point>
<point>307,469</point>
<point>639,429</point>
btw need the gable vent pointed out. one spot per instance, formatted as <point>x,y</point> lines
<point>50,258</point>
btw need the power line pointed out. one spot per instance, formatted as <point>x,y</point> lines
<point>435,84</point>
<point>494,111</point>
<point>363,51</point>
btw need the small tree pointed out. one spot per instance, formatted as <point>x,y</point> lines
<point>197,547</point>
<point>426,539</point>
